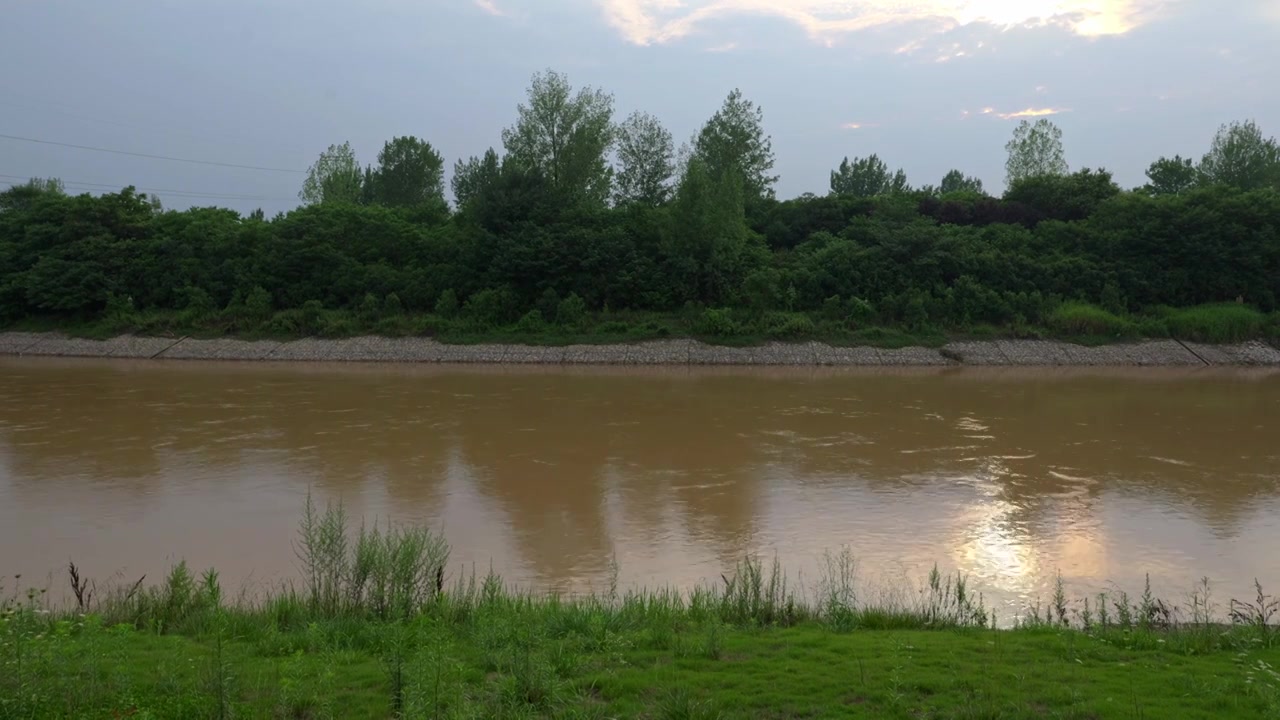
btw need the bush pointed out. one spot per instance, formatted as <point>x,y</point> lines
<point>572,311</point>
<point>392,305</point>
<point>489,307</point>
<point>257,305</point>
<point>370,308</point>
<point>788,326</point>
<point>717,322</point>
<point>532,322</point>
<point>447,305</point>
<point>1220,323</point>
<point>1077,318</point>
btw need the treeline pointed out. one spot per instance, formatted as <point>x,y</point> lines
<point>582,225</point>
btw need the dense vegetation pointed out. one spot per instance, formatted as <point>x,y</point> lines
<point>583,228</point>
<point>373,631</point>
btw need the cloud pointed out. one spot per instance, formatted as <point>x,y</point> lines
<point>722,48</point>
<point>1028,113</point>
<point>852,126</point>
<point>489,7</point>
<point>646,22</point>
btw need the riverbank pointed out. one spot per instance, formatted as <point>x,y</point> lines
<point>1031,353</point>
<point>748,648</point>
<point>379,628</point>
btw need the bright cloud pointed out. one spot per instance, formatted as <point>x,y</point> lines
<point>645,22</point>
<point>852,126</point>
<point>489,7</point>
<point>1029,113</point>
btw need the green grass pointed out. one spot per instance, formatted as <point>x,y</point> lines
<point>1220,323</point>
<point>748,646</point>
<point>1076,319</point>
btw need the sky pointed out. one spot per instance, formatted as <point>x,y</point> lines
<point>928,85</point>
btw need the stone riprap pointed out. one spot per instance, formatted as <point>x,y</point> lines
<point>1153,353</point>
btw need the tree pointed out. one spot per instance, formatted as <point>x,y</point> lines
<point>565,137</point>
<point>1035,150</point>
<point>47,185</point>
<point>867,177</point>
<point>1241,157</point>
<point>334,178</point>
<point>410,173</point>
<point>956,181</point>
<point>710,250</point>
<point>734,142</point>
<point>1064,197</point>
<point>646,152</point>
<point>1171,176</point>
<point>470,178</point>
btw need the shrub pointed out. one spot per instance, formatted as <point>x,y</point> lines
<point>370,308</point>
<point>717,322</point>
<point>1220,323</point>
<point>1077,318</point>
<point>392,305</point>
<point>572,311</point>
<point>257,305</point>
<point>548,303</point>
<point>447,305</point>
<point>789,326</point>
<point>532,322</point>
<point>833,308</point>
<point>489,307</point>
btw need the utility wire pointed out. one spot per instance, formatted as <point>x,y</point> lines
<point>170,191</point>
<point>147,155</point>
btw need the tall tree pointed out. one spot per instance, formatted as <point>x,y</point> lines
<point>734,142</point>
<point>410,173</point>
<point>1035,150</point>
<point>471,177</point>
<point>1171,176</point>
<point>710,250</point>
<point>1241,157</point>
<point>565,137</point>
<point>334,178</point>
<point>646,152</point>
<point>867,177</point>
<point>956,181</point>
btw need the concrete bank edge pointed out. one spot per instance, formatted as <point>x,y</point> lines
<point>1150,353</point>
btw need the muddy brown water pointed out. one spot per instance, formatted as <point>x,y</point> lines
<point>558,478</point>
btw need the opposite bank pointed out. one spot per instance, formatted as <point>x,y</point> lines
<point>1151,353</point>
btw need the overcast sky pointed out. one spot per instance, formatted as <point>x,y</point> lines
<point>927,84</point>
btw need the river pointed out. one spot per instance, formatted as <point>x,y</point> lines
<point>564,479</point>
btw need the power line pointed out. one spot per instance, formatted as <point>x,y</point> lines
<point>170,191</point>
<point>28,102</point>
<point>147,155</point>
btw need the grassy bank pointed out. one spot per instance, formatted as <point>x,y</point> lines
<point>374,630</point>
<point>1076,322</point>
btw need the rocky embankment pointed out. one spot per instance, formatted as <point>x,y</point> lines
<point>1151,353</point>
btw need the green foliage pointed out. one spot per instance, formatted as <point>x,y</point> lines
<point>572,311</point>
<point>1171,176</point>
<point>489,307</point>
<point>410,173</point>
<point>531,236</point>
<point>867,177</point>
<point>474,176</point>
<point>1083,319</point>
<point>717,322</point>
<point>1242,157</point>
<point>447,305</point>
<point>334,178</point>
<point>1064,197</point>
<point>646,153</point>
<point>1035,150</point>
<point>734,144</point>
<point>957,182</point>
<point>1219,323</point>
<point>565,137</point>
